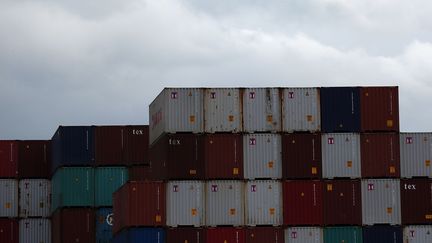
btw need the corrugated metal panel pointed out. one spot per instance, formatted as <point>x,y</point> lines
<point>303,235</point>
<point>262,156</point>
<point>381,201</point>
<point>224,203</point>
<point>261,110</point>
<point>141,173</point>
<point>301,156</point>
<point>382,233</point>
<point>264,202</point>
<point>136,145</point>
<point>140,235</point>
<point>9,231</point>
<point>34,230</point>
<point>303,202</point>
<point>176,110</point>
<point>301,109</point>
<point>34,159</point>
<point>108,180</point>
<point>34,198</point>
<point>72,225</point>
<point>185,203</point>
<point>8,159</point>
<point>264,234</point>
<point>416,154</point>
<point>9,198</point>
<point>182,235</point>
<point>222,110</point>
<point>104,224</point>
<point>343,234</point>
<point>109,145</point>
<point>416,201</point>
<point>225,235</point>
<point>417,234</point>
<point>341,155</point>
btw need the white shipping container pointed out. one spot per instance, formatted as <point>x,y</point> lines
<point>35,230</point>
<point>261,110</point>
<point>185,203</point>
<point>34,198</point>
<point>9,198</point>
<point>224,203</point>
<point>341,155</point>
<point>222,110</point>
<point>303,235</point>
<point>176,110</point>
<point>301,110</point>
<point>416,154</point>
<point>264,203</point>
<point>417,234</point>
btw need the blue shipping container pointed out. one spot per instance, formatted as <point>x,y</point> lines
<point>140,235</point>
<point>382,234</point>
<point>340,109</point>
<point>104,222</point>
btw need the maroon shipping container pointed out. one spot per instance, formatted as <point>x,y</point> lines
<point>139,203</point>
<point>34,158</point>
<point>380,155</point>
<point>141,173</point>
<point>8,159</point>
<point>303,202</point>
<point>9,231</point>
<point>264,234</point>
<point>225,235</point>
<point>379,109</point>
<point>342,202</point>
<point>416,201</point>
<point>223,156</point>
<point>136,144</point>
<point>71,225</point>
<point>301,156</point>
<point>182,235</point>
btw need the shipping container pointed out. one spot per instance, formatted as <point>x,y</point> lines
<point>415,154</point>
<point>342,202</point>
<point>176,110</point>
<point>223,156</point>
<point>224,203</point>
<point>136,144</point>
<point>72,225</point>
<point>264,234</point>
<point>262,156</point>
<point>301,109</point>
<point>73,146</point>
<point>222,110</point>
<point>382,234</point>
<point>380,156</point>
<point>343,234</point>
<point>128,204</point>
<point>34,159</point>
<point>340,109</point>
<point>73,187</point>
<point>263,203</point>
<point>261,110</point>
<point>140,235</point>
<point>303,235</point>
<point>9,198</point>
<point>341,155</point>
<point>34,198</point>
<point>9,232</point>
<point>182,235</point>
<point>416,201</point>
<point>303,202</point>
<point>107,181</point>
<point>381,201</point>
<point>35,231</point>
<point>8,159</point>
<point>103,225</point>
<point>417,234</point>
<point>225,235</point>
<point>379,109</point>
<point>185,203</point>
<point>141,173</point>
<point>301,156</point>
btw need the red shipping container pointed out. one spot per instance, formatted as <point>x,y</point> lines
<point>380,155</point>
<point>182,235</point>
<point>342,202</point>
<point>9,231</point>
<point>416,201</point>
<point>139,203</point>
<point>303,202</point>
<point>264,234</point>
<point>141,173</point>
<point>71,225</point>
<point>379,109</point>
<point>136,144</point>
<point>225,235</point>
<point>301,156</point>
<point>223,156</point>
<point>8,159</point>
<point>34,159</point>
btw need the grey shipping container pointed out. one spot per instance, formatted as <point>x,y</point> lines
<point>35,230</point>
<point>262,156</point>
<point>176,110</point>
<point>9,198</point>
<point>34,198</point>
<point>262,110</point>
<point>416,154</point>
<point>417,234</point>
<point>222,110</point>
<point>381,201</point>
<point>341,155</point>
<point>185,203</point>
<point>303,235</point>
<point>263,203</point>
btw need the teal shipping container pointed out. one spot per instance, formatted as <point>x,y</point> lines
<point>108,180</point>
<point>343,234</point>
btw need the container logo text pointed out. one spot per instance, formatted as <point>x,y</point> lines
<point>251,95</point>
<point>371,187</point>
<point>137,132</point>
<point>409,140</point>
<point>213,95</point>
<point>409,187</point>
<point>214,188</point>
<point>291,95</point>
<point>174,141</point>
<point>253,188</point>
<point>252,141</point>
<point>174,95</point>
<point>175,188</point>
<point>330,140</point>
<point>294,235</point>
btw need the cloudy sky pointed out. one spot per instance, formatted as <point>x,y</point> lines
<point>103,61</point>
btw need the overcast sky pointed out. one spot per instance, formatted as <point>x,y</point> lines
<point>103,61</point>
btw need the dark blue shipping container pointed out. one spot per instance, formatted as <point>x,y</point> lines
<point>382,234</point>
<point>340,109</point>
<point>140,235</point>
<point>73,146</point>
<point>104,222</point>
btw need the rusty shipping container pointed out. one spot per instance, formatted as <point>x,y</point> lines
<point>417,234</point>
<point>416,201</point>
<point>34,159</point>
<point>225,235</point>
<point>9,230</point>
<point>261,110</point>
<point>264,234</point>
<point>128,204</point>
<point>301,156</point>
<point>182,235</point>
<point>303,235</point>
<point>380,156</point>
<point>222,110</point>
<point>8,159</point>
<point>8,198</point>
<point>342,202</point>
<point>71,225</point>
<point>35,230</point>
<point>303,202</point>
<point>415,154</point>
<point>379,109</point>
<point>34,198</point>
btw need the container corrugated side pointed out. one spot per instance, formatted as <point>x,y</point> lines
<point>140,235</point>
<point>34,159</point>
<point>222,110</point>
<point>225,234</point>
<point>107,181</point>
<point>416,154</point>
<point>301,110</point>
<point>9,198</point>
<point>104,223</point>
<point>416,201</point>
<point>382,233</point>
<point>187,234</point>
<point>261,110</point>
<point>263,203</point>
<point>8,159</point>
<point>72,225</point>
<point>9,231</point>
<point>417,234</point>
<point>343,234</point>
<point>141,173</point>
<point>108,143</point>
<point>304,235</point>
<point>262,156</point>
<point>35,230</point>
<point>34,198</point>
<point>264,234</point>
<point>136,144</point>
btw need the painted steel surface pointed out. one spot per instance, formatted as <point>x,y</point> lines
<point>261,110</point>
<point>8,159</point>
<point>301,110</point>
<point>35,230</point>
<point>222,110</point>
<point>416,201</point>
<point>343,234</point>
<point>9,198</point>
<point>141,173</point>
<point>107,181</point>
<point>140,235</point>
<point>417,234</point>
<point>303,235</point>
<point>225,234</point>
<point>264,234</point>
<point>34,198</point>
<point>182,235</point>
<point>382,234</point>
<point>416,154</point>
<point>104,224</point>
<point>34,159</point>
<point>136,144</point>
<point>9,232</point>
<point>72,225</point>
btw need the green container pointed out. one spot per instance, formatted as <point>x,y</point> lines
<point>343,234</point>
<point>73,187</point>
<point>108,180</point>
